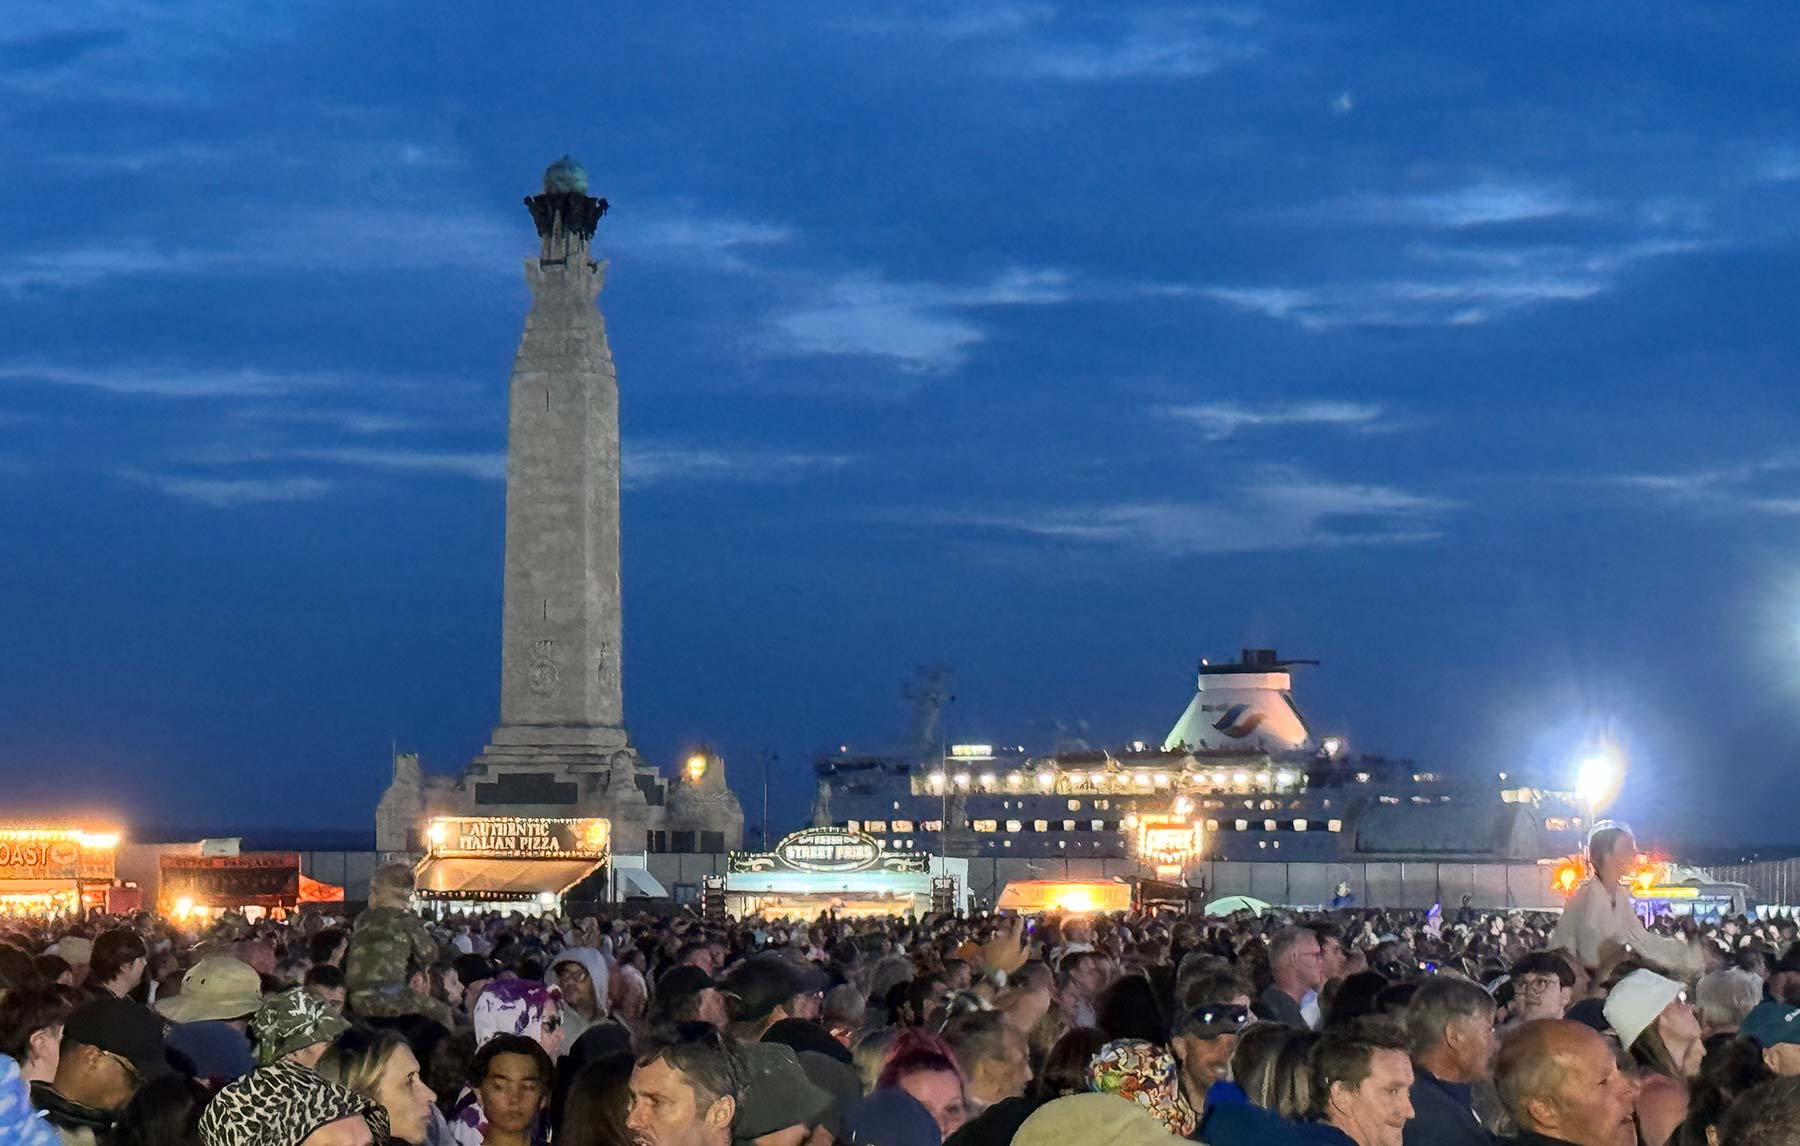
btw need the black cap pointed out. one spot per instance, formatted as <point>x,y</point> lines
<point>680,982</point>
<point>802,1035</point>
<point>757,986</point>
<point>474,968</point>
<point>119,1026</point>
<point>776,1092</point>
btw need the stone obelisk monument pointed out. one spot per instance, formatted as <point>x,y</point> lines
<point>561,741</point>
<point>561,748</point>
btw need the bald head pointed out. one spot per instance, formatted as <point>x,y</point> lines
<point>1561,1079</point>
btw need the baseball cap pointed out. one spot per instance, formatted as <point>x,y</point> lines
<point>775,1093</point>
<point>1771,1023</point>
<point>123,1028</point>
<point>757,986</point>
<point>1635,1001</point>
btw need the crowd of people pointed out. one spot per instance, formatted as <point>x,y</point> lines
<point>1365,1027</point>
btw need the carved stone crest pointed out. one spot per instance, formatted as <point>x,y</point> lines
<point>545,672</point>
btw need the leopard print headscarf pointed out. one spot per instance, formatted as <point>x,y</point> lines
<point>281,1105</point>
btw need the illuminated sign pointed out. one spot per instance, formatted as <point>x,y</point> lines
<point>40,859</point>
<point>828,851</point>
<point>56,853</point>
<point>972,751</point>
<point>519,837</point>
<point>267,879</point>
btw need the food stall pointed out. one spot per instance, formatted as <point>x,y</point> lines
<point>830,869</point>
<point>58,870</point>
<point>509,863</point>
<point>1069,896</point>
<point>253,883</point>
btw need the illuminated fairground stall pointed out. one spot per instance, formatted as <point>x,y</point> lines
<point>509,863</point>
<point>251,883</point>
<point>1659,887</point>
<point>1065,896</point>
<point>61,870</point>
<point>817,870</point>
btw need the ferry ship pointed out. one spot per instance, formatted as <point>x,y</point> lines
<point>1240,776</point>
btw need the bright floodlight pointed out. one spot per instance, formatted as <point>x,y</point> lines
<point>1597,778</point>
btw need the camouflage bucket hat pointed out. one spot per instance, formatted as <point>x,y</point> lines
<point>291,1021</point>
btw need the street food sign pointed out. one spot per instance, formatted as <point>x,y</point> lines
<point>828,851</point>
<point>519,837</point>
<point>266,879</point>
<point>57,854</point>
<point>39,855</point>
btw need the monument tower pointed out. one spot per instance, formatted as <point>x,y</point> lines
<point>561,748</point>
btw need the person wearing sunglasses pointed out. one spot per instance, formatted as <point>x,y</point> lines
<point>110,1047</point>
<point>1203,1041</point>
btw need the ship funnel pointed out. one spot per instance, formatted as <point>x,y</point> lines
<point>1246,705</point>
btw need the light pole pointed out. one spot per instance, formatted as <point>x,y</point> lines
<point>767,757</point>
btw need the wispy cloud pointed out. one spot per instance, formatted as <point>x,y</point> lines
<point>1743,487</point>
<point>89,263</point>
<point>918,326</point>
<point>350,421</point>
<point>478,465</point>
<point>231,493</point>
<point>1484,203</point>
<point>126,52</point>
<point>1450,286</point>
<point>170,381</point>
<point>658,463</point>
<point>1218,421</point>
<point>1281,508</point>
<point>717,242</point>
<point>1160,44</point>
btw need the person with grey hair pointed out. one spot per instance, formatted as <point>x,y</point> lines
<point>1724,999</point>
<point>1450,1029</point>
<point>1296,968</point>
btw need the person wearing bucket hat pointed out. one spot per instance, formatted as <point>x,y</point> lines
<point>1093,1120</point>
<point>110,1046</point>
<point>288,1104</point>
<point>211,1018</point>
<point>1775,1027</point>
<point>1651,1016</point>
<point>294,1025</point>
<point>1145,1074</point>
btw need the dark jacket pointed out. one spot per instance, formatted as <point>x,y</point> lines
<point>1276,1006</point>
<point>1443,1113</point>
<point>72,1121</point>
<point>996,1125</point>
<point>1528,1138</point>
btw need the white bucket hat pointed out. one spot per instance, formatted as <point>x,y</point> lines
<point>1636,1001</point>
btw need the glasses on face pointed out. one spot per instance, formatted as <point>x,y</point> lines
<point>1210,1020</point>
<point>1532,984</point>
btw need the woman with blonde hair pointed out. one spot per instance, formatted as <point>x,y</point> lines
<point>380,1066</point>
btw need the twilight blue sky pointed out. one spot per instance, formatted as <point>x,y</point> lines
<point>1060,344</point>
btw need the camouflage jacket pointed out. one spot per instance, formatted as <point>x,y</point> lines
<point>385,944</point>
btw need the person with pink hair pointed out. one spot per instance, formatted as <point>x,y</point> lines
<point>922,1066</point>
